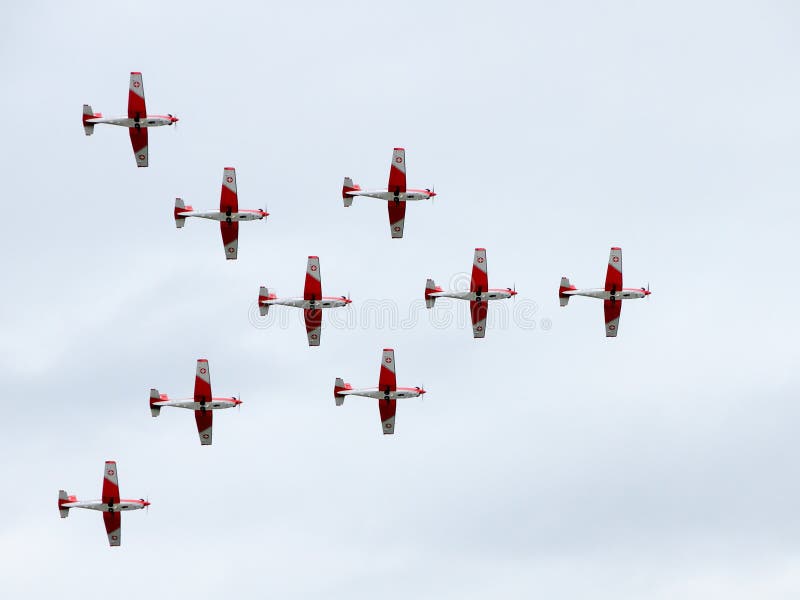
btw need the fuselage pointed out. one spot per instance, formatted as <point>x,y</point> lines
<point>323,302</point>
<point>401,392</point>
<point>213,404</point>
<point>147,121</point>
<point>123,504</point>
<point>490,294</point>
<point>623,294</point>
<point>408,196</point>
<point>215,215</point>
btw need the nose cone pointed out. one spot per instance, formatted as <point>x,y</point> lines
<point>236,401</point>
<point>145,503</point>
<point>347,301</point>
<point>512,292</point>
<point>646,292</point>
<point>431,194</point>
<point>174,119</point>
<point>422,391</point>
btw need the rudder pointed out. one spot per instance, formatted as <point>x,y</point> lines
<point>563,298</point>
<point>339,387</point>
<point>156,397</point>
<point>430,287</point>
<point>88,128</point>
<point>348,186</point>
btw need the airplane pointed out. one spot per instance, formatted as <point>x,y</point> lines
<point>387,391</point>
<point>137,120</point>
<point>203,403</point>
<point>397,194</point>
<point>312,301</point>
<point>478,295</point>
<point>612,294</point>
<point>111,505</point>
<point>228,215</point>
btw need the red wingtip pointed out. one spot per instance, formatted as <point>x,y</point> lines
<point>313,257</point>
<point>230,168</point>
<point>388,349</point>
<point>616,248</point>
<point>399,148</point>
<point>136,72</point>
<point>484,249</point>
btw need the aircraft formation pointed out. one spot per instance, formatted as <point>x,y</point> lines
<point>396,195</point>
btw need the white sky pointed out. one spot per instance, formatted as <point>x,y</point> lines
<point>549,464</point>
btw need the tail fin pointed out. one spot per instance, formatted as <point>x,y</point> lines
<point>263,294</point>
<point>431,287</point>
<point>63,498</point>
<point>88,128</point>
<point>180,207</point>
<point>338,387</point>
<point>563,298</point>
<point>348,186</point>
<point>156,397</point>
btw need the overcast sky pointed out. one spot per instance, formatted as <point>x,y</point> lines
<point>546,461</point>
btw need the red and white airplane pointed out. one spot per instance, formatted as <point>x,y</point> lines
<point>397,194</point>
<point>612,294</point>
<point>111,505</point>
<point>387,391</point>
<point>478,295</point>
<point>228,214</point>
<point>203,403</point>
<point>137,120</point>
<point>312,301</point>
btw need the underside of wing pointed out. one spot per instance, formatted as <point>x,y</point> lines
<point>313,286</point>
<point>478,312</point>
<point>139,144</point>
<point>397,172</point>
<point>313,318</point>
<point>113,523</point>
<point>612,309</point>
<point>110,483</point>
<point>388,409</point>
<point>397,217</point>
<point>229,197</point>
<point>136,105</point>
<point>387,380</point>
<point>204,419</point>
<point>479,282</point>
<point>230,238</point>
<point>202,382</point>
<point>614,272</point>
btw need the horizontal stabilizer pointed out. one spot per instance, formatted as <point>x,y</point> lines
<point>263,294</point>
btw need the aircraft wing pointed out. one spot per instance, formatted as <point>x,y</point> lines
<point>202,382</point>
<point>478,312</point>
<point>204,419</point>
<point>313,287</point>
<point>387,379</point>
<point>230,238</point>
<point>229,205</point>
<point>479,282</point>
<point>388,409</point>
<point>614,273</point>
<point>397,217</point>
<point>313,318</point>
<point>113,523</point>
<point>397,172</point>
<point>612,311</point>
<point>229,199</point>
<point>136,105</point>
<point>139,144</point>
<point>110,483</point>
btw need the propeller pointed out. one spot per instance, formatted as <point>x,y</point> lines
<point>173,121</point>
<point>431,193</point>
<point>646,291</point>
<point>513,290</point>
